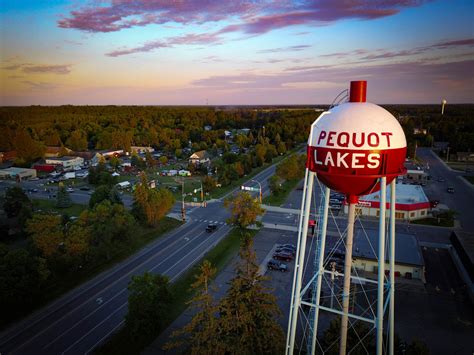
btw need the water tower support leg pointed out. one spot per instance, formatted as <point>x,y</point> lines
<point>381,273</point>
<point>320,270</point>
<point>392,269</point>
<point>347,279</point>
<point>300,254</point>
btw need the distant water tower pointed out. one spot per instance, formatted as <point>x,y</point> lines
<point>443,103</point>
<point>355,148</point>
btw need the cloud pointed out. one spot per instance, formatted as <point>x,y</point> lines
<point>285,49</point>
<point>256,17</point>
<point>35,85</point>
<point>188,39</point>
<point>54,69</point>
<point>61,69</point>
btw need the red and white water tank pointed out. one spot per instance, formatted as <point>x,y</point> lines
<point>355,143</point>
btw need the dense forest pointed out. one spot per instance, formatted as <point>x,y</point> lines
<point>29,129</point>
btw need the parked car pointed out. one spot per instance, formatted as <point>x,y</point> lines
<point>283,256</point>
<point>211,228</point>
<point>440,179</point>
<point>285,250</point>
<point>289,246</point>
<point>276,265</point>
<point>70,189</point>
<point>85,188</point>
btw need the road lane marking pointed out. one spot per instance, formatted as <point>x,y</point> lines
<point>104,337</point>
<point>102,290</point>
<point>27,323</point>
<point>90,331</point>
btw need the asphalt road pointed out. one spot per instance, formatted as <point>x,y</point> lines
<point>463,197</point>
<point>82,319</point>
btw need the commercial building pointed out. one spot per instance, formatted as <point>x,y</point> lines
<point>411,203</point>
<point>17,173</point>
<point>67,162</point>
<point>409,261</point>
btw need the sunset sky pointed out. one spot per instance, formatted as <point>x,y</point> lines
<point>194,52</point>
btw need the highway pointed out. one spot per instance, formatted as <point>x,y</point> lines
<point>83,318</point>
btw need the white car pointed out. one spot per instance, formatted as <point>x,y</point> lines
<point>70,189</point>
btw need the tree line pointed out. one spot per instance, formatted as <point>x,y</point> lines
<point>28,130</point>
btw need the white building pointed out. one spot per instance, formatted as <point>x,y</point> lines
<point>411,203</point>
<point>17,173</point>
<point>68,163</point>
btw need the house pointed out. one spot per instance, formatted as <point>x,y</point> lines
<point>140,150</point>
<point>109,153</point>
<point>198,158</point>
<point>465,156</point>
<point>419,131</point>
<point>67,162</point>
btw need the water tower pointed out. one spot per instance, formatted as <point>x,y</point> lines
<point>355,148</point>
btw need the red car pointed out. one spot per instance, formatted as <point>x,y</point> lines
<point>283,256</point>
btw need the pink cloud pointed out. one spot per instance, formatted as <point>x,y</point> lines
<point>189,39</point>
<point>256,17</point>
<point>299,47</point>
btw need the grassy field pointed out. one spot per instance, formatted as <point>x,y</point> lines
<point>50,206</point>
<point>445,219</point>
<point>220,256</point>
<point>280,198</point>
<point>469,178</point>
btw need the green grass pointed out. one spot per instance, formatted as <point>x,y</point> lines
<point>280,198</point>
<point>469,178</point>
<point>445,219</point>
<point>50,206</point>
<point>220,256</point>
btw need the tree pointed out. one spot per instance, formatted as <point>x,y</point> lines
<point>248,312</point>
<point>163,160</point>
<point>244,209</point>
<point>63,199</point>
<point>281,148</point>
<point>148,305</point>
<point>150,204</point>
<point>77,141</point>
<point>201,334</point>
<point>150,162</point>
<point>77,240</point>
<point>105,192</point>
<point>26,147</point>
<point>110,224</point>
<point>208,184</point>
<point>275,184</point>
<point>46,231</point>
<point>15,201</point>
<point>21,278</point>
<point>292,168</point>
<point>114,162</point>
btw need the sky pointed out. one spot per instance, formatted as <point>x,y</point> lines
<point>231,52</point>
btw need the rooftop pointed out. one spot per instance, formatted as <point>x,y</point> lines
<point>405,194</point>
<point>407,250</point>
<point>66,158</point>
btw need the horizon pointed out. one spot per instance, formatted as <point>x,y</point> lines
<point>142,53</point>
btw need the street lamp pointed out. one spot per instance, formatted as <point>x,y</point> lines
<point>260,187</point>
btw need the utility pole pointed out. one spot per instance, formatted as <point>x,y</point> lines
<point>183,210</point>
<point>447,156</point>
